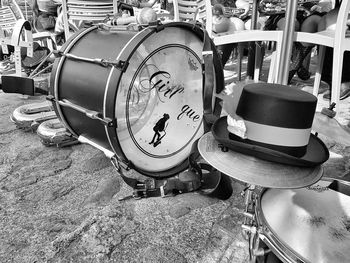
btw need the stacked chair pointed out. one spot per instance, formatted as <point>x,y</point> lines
<point>75,12</point>
<point>252,35</point>
<point>185,10</point>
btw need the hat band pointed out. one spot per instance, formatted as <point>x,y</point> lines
<point>277,135</point>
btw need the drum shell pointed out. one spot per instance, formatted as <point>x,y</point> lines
<point>93,87</point>
<point>84,84</point>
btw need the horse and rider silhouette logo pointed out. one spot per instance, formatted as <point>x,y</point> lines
<point>158,128</point>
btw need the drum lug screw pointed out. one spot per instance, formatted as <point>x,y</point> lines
<point>112,124</point>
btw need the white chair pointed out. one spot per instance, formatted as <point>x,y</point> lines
<point>11,13</point>
<point>78,11</point>
<point>337,38</point>
<point>233,36</point>
<point>21,37</point>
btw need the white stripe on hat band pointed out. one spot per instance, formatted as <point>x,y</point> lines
<point>276,135</point>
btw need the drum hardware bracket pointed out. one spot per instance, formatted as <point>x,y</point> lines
<point>163,194</point>
<point>119,64</point>
<point>118,28</point>
<point>142,190</point>
<point>157,25</point>
<point>207,53</point>
<point>119,164</point>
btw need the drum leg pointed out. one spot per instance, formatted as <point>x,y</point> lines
<point>268,256</point>
<point>249,211</point>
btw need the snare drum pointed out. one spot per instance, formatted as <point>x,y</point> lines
<point>137,95</point>
<point>309,224</point>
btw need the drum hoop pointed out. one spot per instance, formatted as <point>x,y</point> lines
<point>57,67</point>
<point>111,94</point>
<point>272,238</point>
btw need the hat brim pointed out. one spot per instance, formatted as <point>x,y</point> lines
<point>316,152</point>
<point>255,171</point>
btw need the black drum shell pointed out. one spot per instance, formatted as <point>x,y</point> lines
<point>87,80</point>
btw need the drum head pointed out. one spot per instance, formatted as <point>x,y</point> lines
<point>312,223</point>
<point>159,102</point>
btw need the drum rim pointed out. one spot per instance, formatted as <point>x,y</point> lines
<point>111,95</point>
<point>270,235</point>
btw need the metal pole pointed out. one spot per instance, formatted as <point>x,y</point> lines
<point>287,42</point>
<point>252,45</point>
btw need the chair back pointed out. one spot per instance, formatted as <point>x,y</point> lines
<point>185,10</point>
<point>189,10</point>
<point>7,19</point>
<point>78,11</point>
<point>26,10</point>
<point>205,15</point>
<point>341,26</point>
<point>10,12</point>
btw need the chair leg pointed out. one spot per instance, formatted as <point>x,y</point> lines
<point>338,57</point>
<point>272,71</point>
<point>318,73</point>
<point>259,60</point>
<point>239,60</point>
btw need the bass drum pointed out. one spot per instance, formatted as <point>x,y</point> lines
<point>137,95</point>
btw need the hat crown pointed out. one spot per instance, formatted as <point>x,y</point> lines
<point>277,105</point>
<point>277,117</point>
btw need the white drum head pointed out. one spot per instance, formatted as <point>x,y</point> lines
<point>159,104</point>
<point>313,222</point>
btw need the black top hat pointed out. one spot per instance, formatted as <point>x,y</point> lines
<point>278,121</point>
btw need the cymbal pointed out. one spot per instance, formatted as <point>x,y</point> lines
<point>331,128</point>
<point>254,171</point>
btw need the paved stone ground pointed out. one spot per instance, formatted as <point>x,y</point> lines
<point>61,205</point>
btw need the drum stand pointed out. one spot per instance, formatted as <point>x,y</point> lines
<point>251,227</point>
